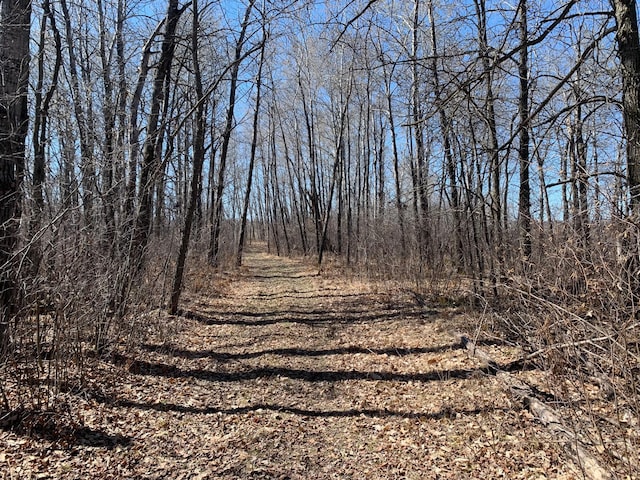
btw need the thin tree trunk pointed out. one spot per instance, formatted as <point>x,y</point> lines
<point>524,198</point>
<point>87,166</point>
<point>338,158</point>
<point>458,256</point>
<point>297,201</point>
<point>41,122</point>
<point>422,171</point>
<point>214,247</point>
<point>134,131</point>
<point>314,200</point>
<point>396,165</point>
<point>252,157</point>
<point>198,161</point>
<point>494,235</point>
<point>109,117</point>
<point>151,161</point>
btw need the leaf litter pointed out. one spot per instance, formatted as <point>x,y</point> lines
<point>287,374</point>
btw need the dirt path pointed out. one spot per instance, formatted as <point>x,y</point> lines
<point>290,375</point>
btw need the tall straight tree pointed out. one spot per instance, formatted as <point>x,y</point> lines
<point>151,150</point>
<point>628,42</point>
<point>524,199</point>
<point>450,164</point>
<point>214,246</point>
<point>15,20</point>
<point>82,117</point>
<point>252,155</point>
<point>490,119</point>
<point>198,161</point>
<point>421,173</point>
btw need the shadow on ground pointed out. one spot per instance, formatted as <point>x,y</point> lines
<point>308,317</point>
<point>142,367</point>
<point>58,428</point>
<point>354,412</point>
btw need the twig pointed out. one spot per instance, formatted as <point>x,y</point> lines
<point>590,466</point>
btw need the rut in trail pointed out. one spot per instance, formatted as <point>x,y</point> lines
<point>285,374</point>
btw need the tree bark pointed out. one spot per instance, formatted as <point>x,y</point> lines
<point>628,43</point>
<point>15,21</point>
<point>198,162</point>
<point>524,196</point>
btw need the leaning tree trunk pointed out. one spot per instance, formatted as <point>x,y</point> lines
<point>15,19</point>
<point>42,102</point>
<point>214,247</point>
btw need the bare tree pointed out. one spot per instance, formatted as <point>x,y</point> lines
<point>628,42</point>
<point>151,161</point>
<point>524,195</point>
<point>214,246</point>
<point>42,105</point>
<point>198,162</point>
<point>15,21</point>
<point>252,154</point>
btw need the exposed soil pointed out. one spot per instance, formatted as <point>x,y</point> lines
<point>292,375</point>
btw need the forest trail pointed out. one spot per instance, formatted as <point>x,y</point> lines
<point>287,374</point>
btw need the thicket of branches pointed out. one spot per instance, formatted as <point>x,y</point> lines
<point>496,144</point>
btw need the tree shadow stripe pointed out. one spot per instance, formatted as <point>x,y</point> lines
<point>353,412</point>
<point>299,352</point>
<point>141,367</point>
<point>309,317</point>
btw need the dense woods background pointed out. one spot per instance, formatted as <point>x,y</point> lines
<point>480,151</point>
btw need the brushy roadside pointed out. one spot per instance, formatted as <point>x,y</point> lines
<point>281,373</point>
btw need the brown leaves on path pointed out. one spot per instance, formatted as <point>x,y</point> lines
<point>294,375</point>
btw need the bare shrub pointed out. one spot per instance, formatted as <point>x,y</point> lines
<point>576,317</point>
<point>78,301</point>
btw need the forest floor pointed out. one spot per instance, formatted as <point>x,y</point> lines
<point>275,372</point>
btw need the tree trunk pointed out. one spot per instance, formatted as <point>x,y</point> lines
<point>151,160</point>
<point>396,161</point>
<point>198,161</point>
<point>42,102</point>
<point>134,131</point>
<point>252,159</point>
<point>422,170</point>
<point>214,247</point>
<point>628,43</point>
<point>15,21</point>
<point>87,166</point>
<point>524,198</point>
<point>458,255</point>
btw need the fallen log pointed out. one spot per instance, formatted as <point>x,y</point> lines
<point>520,391</point>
